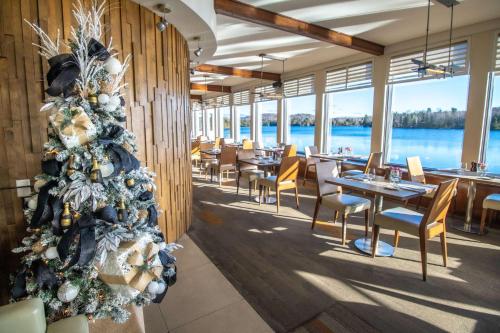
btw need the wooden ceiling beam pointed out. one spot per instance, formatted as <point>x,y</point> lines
<point>195,97</point>
<point>210,87</point>
<point>274,20</point>
<point>231,71</point>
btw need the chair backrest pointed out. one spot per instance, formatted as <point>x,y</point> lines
<point>228,155</point>
<point>374,161</point>
<point>290,150</point>
<point>289,169</point>
<point>325,170</point>
<point>310,150</point>
<point>202,138</point>
<point>245,154</point>
<point>247,144</point>
<point>195,147</point>
<point>217,143</point>
<point>415,170</point>
<point>206,146</point>
<point>438,208</point>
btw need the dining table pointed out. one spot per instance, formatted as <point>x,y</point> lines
<point>336,157</point>
<point>472,178</point>
<point>274,151</point>
<point>265,164</point>
<point>379,188</point>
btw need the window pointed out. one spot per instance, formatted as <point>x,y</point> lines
<point>492,157</point>
<point>300,109</point>
<point>268,115</point>
<point>210,123</point>
<point>225,111</point>
<point>241,100</point>
<point>428,113</point>
<point>349,102</point>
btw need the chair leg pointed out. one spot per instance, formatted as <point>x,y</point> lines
<point>335,216</point>
<point>250,184</point>
<point>367,219</point>
<point>260,194</point>
<point>423,254</point>
<point>483,220</point>
<point>305,176</point>
<point>221,174</point>
<point>277,201</point>
<point>376,232</point>
<point>316,210</point>
<point>297,196</point>
<point>396,239</point>
<point>344,228</point>
<point>418,203</point>
<point>238,183</point>
<point>444,245</point>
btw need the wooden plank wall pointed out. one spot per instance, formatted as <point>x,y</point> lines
<point>157,106</point>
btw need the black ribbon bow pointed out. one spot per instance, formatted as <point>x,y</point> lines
<point>108,214</point>
<point>85,227</point>
<point>121,158</point>
<point>19,286</point>
<point>45,276</point>
<point>64,69</point>
<point>152,216</point>
<point>43,212</point>
<point>51,167</point>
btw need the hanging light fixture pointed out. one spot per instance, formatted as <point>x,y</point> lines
<point>425,68</point>
<point>163,24</point>
<point>277,85</point>
<point>199,50</point>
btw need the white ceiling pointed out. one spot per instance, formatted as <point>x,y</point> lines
<point>382,21</point>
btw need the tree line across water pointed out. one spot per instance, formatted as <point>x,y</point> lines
<point>452,119</point>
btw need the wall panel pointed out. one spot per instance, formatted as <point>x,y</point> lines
<point>157,106</point>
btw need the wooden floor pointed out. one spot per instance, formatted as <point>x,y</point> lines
<point>306,281</point>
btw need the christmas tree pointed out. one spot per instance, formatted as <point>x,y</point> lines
<point>93,244</point>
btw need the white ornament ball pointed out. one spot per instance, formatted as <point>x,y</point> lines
<point>32,202</point>
<point>107,169</point>
<point>51,253</point>
<point>109,108</point>
<point>103,99</point>
<point>38,184</point>
<point>161,287</point>
<point>162,245</point>
<point>113,66</point>
<point>114,101</point>
<point>67,292</point>
<point>153,287</point>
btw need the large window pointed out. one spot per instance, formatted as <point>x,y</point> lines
<point>269,122</point>
<point>349,102</point>
<point>428,121</point>
<point>493,142</point>
<point>427,110</point>
<point>210,123</point>
<point>300,108</point>
<point>226,120</point>
<point>244,122</point>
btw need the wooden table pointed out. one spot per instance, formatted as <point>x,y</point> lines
<point>264,164</point>
<point>214,151</point>
<point>472,178</point>
<point>273,150</point>
<point>335,157</point>
<point>380,188</point>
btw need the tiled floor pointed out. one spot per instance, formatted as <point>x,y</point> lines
<point>202,300</point>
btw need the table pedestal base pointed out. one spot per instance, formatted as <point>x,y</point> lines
<point>466,227</point>
<point>365,246</point>
<point>270,200</point>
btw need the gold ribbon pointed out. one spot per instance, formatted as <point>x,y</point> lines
<point>78,127</point>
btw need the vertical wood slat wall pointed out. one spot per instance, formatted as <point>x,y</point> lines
<point>157,95</point>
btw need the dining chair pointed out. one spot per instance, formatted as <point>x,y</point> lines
<point>374,161</point>
<point>286,179</point>
<point>425,226</point>
<point>226,162</point>
<point>332,197</point>
<point>195,152</point>
<point>416,174</point>
<point>310,161</point>
<point>206,159</point>
<point>490,203</point>
<point>247,144</point>
<point>248,172</point>
<point>289,151</point>
<point>217,142</point>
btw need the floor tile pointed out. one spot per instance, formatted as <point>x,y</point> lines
<point>153,319</point>
<point>190,256</point>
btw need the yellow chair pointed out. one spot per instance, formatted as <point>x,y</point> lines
<point>416,174</point>
<point>226,162</point>
<point>195,152</point>
<point>247,144</point>
<point>29,317</point>
<point>285,180</point>
<point>374,161</point>
<point>425,226</point>
<point>310,161</point>
<point>289,151</point>
<point>491,202</point>
<point>248,172</point>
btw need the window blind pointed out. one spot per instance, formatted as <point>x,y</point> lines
<point>223,100</point>
<point>299,87</point>
<point>195,106</point>
<point>241,97</point>
<point>497,59</point>
<point>269,89</point>
<point>402,69</point>
<point>350,77</point>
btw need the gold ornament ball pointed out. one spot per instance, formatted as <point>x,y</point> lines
<point>143,213</point>
<point>38,247</point>
<point>130,182</point>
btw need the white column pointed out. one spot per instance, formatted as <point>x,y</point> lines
<point>320,135</point>
<point>236,123</point>
<point>481,51</point>
<point>280,123</point>
<point>257,112</point>
<point>253,117</point>
<point>380,69</point>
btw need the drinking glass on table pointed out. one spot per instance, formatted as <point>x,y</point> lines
<point>482,169</point>
<point>372,174</point>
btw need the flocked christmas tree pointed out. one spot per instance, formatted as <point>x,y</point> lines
<point>94,246</point>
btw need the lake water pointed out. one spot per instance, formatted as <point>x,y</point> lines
<point>437,148</point>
